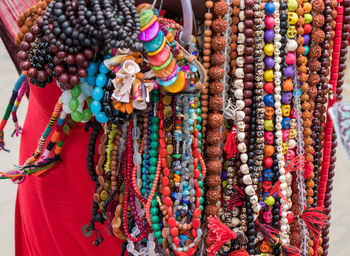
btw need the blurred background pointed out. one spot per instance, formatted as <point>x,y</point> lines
<point>340,222</point>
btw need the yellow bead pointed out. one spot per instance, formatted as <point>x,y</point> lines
<point>292,133</point>
<point>292,5</point>
<point>292,18</point>
<point>268,49</point>
<point>285,148</point>
<point>285,110</point>
<point>268,125</point>
<point>291,32</point>
<point>268,75</point>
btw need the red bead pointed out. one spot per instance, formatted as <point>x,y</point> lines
<point>191,251</point>
<point>22,55</point>
<point>197,213</point>
<point>89,53</point>
<point>307,28</point>
<point>166,191</point>
<point>25,46</point>
<point>196,153</point>
<point>61,55</point>
<point>35,30</point>
<point>74,80</point>
<point>82,72</point>
<point>174,231</point>
<point>29,37</point>
<point>161,123</point>
<point>195,143</point>
<point>162,152</point>
<point>170,211</point>
<point>25,65</point>
<point>70,59</point>
<point>64,78</point>
<point>166,171</point>
<point>194,233</point>
<point>176,241</point>
<point>42,76</point>
<point>196,184</point>
<point>72,70</point>
<point>196,223</point>
<point>268,88</point>
<point>196,173</point>
<point>167,201</point>
<point>165,181</point>
<point>198,192</point>
<point>198,202</point>
<point>85,64</point>
<point>268,161</point>
<point>58,69</point>
<point>195,162</point>
<point>195,133</point>
<point>80,58</point>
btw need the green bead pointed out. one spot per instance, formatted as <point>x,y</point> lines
<point>151,177</point>
<point>150,186</point>
<point>158,234</point>
<point>201,207</point>
<point>155,128</point>
<point>76,91</point>
<point>199,111</point>
<point>143,191</point>
<point>200,176</point>
<point>177,156</point>
<point>308,18</point>
<point>155,120</point>
<point>200,135</point>
<point>144,177</point>
<point>155,219</point>
<point>153,153</point>
<point>154,136</point>
<point>73,104</point>
<point>152,169</point>
<point>156,92</point>
<point>199,127</point>
<point>154,211</point>
<point>201,200</point>
<point>155,98</point>
<point>144,240</point>
<point>154,203</point>
<point>200,183</point>
<point>199,144</point>
<point>160,240</point>
<point>87,114</point>
<point>156,226</point>
<point>199,119</point>
<point>200,150</point>
<point>153,161</point>
<point>77,116</point>
<point>154,144</point>
<point>224,183</point>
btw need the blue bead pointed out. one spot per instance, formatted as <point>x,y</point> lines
<point>101,117</point>
<point>269,8</point>
<point>285,123</point>
<point>92,69</point>
<point>103,69</point>
<point>97,93</point>
<point>269,100</point>
<point>95,107</point>
<point>91,80</point>
<point>306,48</point>
<point>108,56</point>
<point>101,80</point>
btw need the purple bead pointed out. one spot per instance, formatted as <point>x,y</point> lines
<point>286,98</point>
<point>269,35</point>
<point>289,71</point>
<point>307,39</point>
<point>269,62</point>
<point>224,175</point>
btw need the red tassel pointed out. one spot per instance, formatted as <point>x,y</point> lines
<point>268,232</point>
<point>277,189</point>
<point>290,251</point>
<point>292,164</point>
<point>218,234</point>
<point>239,253</point>
<point>237,198</point>
<point>230,147</point>
<point>315,220</point>
<point>308,170</point>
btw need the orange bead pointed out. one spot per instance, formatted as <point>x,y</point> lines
<point>288,85</point>
<point>269,150</point>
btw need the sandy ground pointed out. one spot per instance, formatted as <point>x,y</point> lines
<point>340,222</point>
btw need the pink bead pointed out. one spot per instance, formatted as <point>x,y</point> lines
<point>285,135</point>
<point>290,58</point>
<point>269,137</point>
<point>269,22</point>
<point>267,217</point>
<point>290,154</point>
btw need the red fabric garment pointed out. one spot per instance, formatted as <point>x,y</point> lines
<point>51,209</point>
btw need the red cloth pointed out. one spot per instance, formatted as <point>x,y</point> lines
<point>51,209</point>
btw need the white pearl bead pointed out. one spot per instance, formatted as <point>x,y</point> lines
<point>291,45</point>
<point>244,158</point>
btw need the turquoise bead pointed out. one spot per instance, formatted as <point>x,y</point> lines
<point>151,178</point>
<point>153,153</point>
<point>156,226</point>
<point>101,80</point>
<point>158,234</point>
<point>155,120</point>
<point>200,135</point>
<point>101,117</point>
<point>199,119</point>
<point>154,136</point>
<point>155,98</point>
<point>200,183</point>
<point>154,211</point>
<point>200,177</point>
<point>152,169</point>
<point>95,107</point>
<point>199,144</point>
<point>97,93</point>
<point>144,177</point>
<point>199,111</point>
<point>201,200</point>
<point>199,127</point>
<point>103,69</point>
<point>154,203</point>
<point>201,207</point>
<point>154,144</point>
<point>153,161</point>
<point>160,240</point>
<point>155,218</point>
<point>155,128</point>
<point>150,186</point>
<point>92,69</point>
<point>143,190</point>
